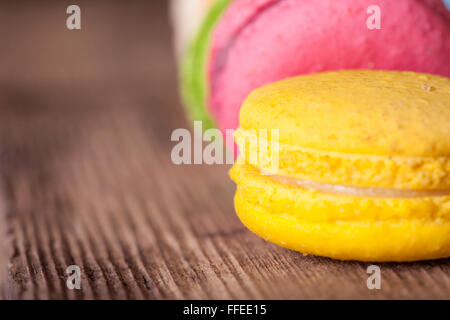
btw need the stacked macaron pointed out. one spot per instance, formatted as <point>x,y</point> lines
<point>363,157</point>
<point>243,44</point>
<point>363,165</point>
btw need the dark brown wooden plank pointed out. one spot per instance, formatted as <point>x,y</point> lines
<point>86,177</point>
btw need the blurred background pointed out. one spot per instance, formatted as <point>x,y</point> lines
<point>85,172</point>
<point>115,41</point>
<point>86,177</point>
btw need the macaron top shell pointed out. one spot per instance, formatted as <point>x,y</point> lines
<point>358,112</point>
<point>259,42</point>
<point>362,128</point>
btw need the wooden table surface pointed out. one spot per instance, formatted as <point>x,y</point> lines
<point>86,176</point>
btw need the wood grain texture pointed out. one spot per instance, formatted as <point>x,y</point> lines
<point>86,177</point>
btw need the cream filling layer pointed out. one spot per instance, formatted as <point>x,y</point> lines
<point>353,191</point>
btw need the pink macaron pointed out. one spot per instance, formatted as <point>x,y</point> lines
<point>257,42</point>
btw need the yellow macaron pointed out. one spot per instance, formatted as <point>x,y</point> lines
<point>362,165</point>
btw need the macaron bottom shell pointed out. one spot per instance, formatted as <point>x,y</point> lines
<point>390,234</point>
